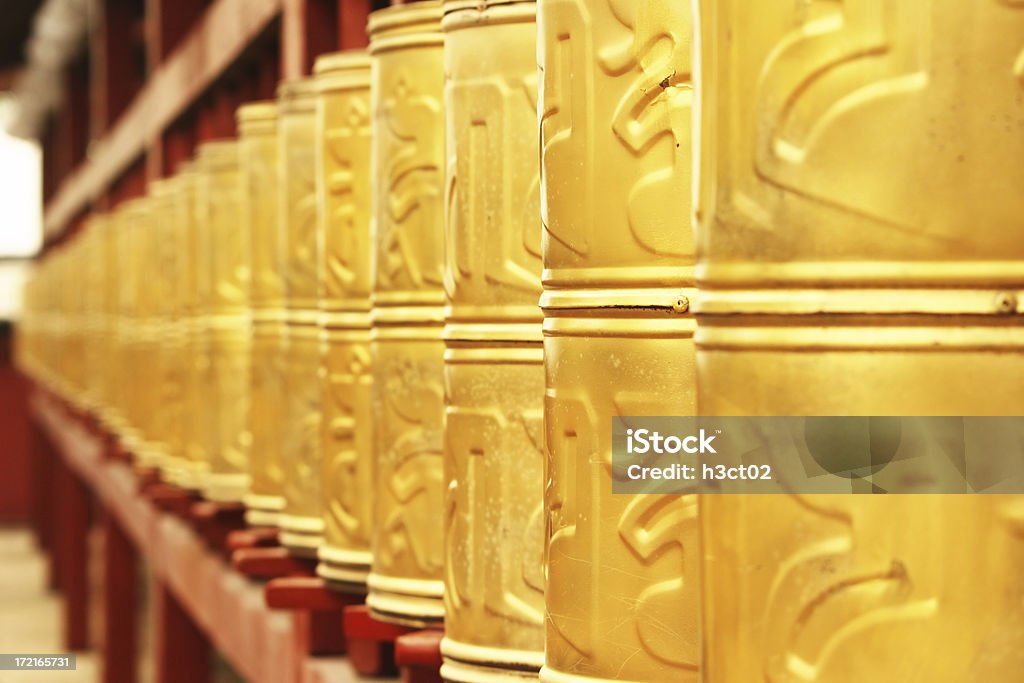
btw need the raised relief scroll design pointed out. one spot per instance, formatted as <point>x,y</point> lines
<point>839,58</point>
<point>412,200</point>
<point>819,601</point>
<point>302,221</point>
<point>414,467</point>
<point>566,121</point>
<point>480,482</point>
<point>343,144</point>
<point>572,501</point>
<point>348,377</point>
<point>486,116</point>
<point>232,285</point>
<point>656,58</point>
<point>636,55</point>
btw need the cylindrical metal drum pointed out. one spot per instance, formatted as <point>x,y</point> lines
<point>494,358</point>
<point>91,292</point>
<point>189,471</point>
<point>343,165</point>
<point>301,521</point>
<point>220,194</point>
<point>174,327</point>
<point>131,219</point>
<point>144,371</point>
<point>257,128</point>
<point>164,322</point>
<point>862,253</point>
<point>108,322</point>
<point>616,98</point>
<point>406,577</point>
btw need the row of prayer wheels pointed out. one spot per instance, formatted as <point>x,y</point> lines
<point>335,320</point>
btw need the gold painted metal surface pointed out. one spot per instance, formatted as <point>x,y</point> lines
<point>132,222</point>
<point>107,377</point>
<point>494,358</point>
<point>301,521</point>
<point>258,158</point>
<point>344,195</point>
<point>406,577</point>
<point>622,571</point>
<point>219,202</point>
<point>166,327</point>
<point>861,251</point>
<point>195,276</point>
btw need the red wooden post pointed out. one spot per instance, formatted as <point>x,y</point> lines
<point>114,78</point>
<point>309,28</point>
<point>352,16</point>
<point>44,500</point>
<point>120,611</point>
<point>72,503</point>
<point>168,22</point>
<point>182,649</point>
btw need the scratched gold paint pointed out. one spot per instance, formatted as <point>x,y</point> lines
<point>346,285</point>
<point>258,159</point>
<point>494,358</point>
<point>615,106</point>
<point>301,521</point>
<point>861,240</point>
<point>408,159</point>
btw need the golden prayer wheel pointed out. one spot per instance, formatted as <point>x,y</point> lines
<point>187,469</point>
<point>343,163</point>
<point>622,570</point>
<point>71,355</point>
<point>257,126</point>
<point>227,321</point>
<point>174,325</point>
<point>494,358</point>
<point>130,223</point>
<point>91,290</point>
<point>862,256</point>
<point>165,420</point>
<point>146,370</point>
<point>108,233</point>
<point>201,399</point>
<point>301,521</point>
<point>406,577</point>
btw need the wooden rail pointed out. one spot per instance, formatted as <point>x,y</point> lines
<point>223,33</point>
<point>203,602</point>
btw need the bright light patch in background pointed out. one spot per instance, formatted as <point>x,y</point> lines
<point>21,211</point>
<point>21,220</point>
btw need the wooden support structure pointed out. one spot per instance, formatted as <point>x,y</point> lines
<point>72,521</point>
<point>182,649</point>
<point>120,609</point>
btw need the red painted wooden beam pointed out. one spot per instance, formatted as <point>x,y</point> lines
<point>120,610</point>
<point>182,649</point>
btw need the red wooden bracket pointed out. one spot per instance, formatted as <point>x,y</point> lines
<point>308,593</point>
<point>253,537</point>
<point>418,656</point>
<point>145,478</point>
<point>269,563</point>
<point>170,499</point>
<point>319,633</point>
<point>119,452</point>
<point>371,643</point>
<point>215,521</point>
<point>317,612</point>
